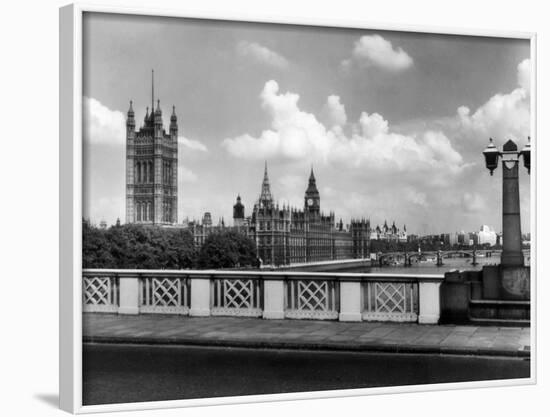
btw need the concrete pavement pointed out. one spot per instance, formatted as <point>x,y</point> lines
<point>306,334</point>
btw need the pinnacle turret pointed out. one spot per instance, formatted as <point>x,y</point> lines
<point>173,117</point>
<point>131,110</point>
<point>130,122</point>
<point>265,196</point>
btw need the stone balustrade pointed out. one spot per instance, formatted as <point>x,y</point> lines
<point>267,294</point>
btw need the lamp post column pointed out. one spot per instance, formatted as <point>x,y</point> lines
<point>512,254</point>
<point>511,279</point>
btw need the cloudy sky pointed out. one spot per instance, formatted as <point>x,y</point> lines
<point>393,123</point>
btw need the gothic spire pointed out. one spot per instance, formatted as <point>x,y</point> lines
<point>131,109</point>
<point>312,190</point>
<point>173,117</point>
<point>130,120</point>
<point>152,90</point>
<point>265,195</point>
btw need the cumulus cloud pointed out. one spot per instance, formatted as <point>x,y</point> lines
<point>293,135</point>
<point>101,125</point>
<point>297,134</point>
<point>104,126</point>
<point>192,144</point>
<point>262,54</point>
<point>524,74</point>
<point>335,112</point>
<point>375,51</point>
<point>503,116</point>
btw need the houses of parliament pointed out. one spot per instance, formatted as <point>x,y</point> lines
<point>283,235</point>
<point>287,235</point>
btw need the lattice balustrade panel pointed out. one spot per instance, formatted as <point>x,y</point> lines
<point>164,295</point>
<point>390,301</point>
<point>236,297</point>
<point>100,293</point>
<point>315,299</point>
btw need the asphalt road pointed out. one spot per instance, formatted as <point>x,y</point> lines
<point>134,373</point>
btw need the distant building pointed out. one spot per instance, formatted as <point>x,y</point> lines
<point>486,235</point>
<point>238,213</point>
<point>202,229</point>
<point>207,219</point>
<point>462,238</point>
<point>103,224</point>
<point>285,235</point>
<point>445,238</point>
<point>390,234</point>
<point>473,239</point>
<point>412,238</point>
<point>453,239</point>
<point>152,168</point>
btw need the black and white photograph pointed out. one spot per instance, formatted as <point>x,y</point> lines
<point>274,208</point>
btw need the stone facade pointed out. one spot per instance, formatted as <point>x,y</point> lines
<point>286,235</point>
<point>152,169</point>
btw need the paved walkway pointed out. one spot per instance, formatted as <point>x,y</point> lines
<point>306,334</point>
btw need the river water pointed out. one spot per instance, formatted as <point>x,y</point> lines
<point>428,267</point>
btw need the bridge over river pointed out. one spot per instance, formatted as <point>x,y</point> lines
<point>407,258</point>
<point>426,262</point>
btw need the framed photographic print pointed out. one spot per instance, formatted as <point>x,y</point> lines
<point>255,209</point>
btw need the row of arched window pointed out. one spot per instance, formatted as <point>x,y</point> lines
<point>144,172</point>
<point>167,212</point>
<point>166,172</point>
<point>144,211</point>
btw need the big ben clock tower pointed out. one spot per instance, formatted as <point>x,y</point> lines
<point>312,201</point>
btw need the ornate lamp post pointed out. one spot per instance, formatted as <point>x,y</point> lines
<point>512,255</point>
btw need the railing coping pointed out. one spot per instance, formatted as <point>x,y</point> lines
<point>269,275</point>
<point>319,263</point>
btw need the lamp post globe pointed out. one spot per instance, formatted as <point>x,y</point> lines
<point>526,154</point>
<point>491,155</point>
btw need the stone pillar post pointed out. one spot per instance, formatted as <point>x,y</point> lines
<point>428,300</point>
<point>200,296</point>
<point>129,295</point>
<point>274,299</point>
<point>511,223</point>
<point>350,301</point>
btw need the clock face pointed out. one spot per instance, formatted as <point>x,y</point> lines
<point>310,202</point>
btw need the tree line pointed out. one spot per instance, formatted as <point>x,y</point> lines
<point>133,246</point>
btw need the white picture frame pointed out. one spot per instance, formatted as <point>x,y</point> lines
<point>70,209</point>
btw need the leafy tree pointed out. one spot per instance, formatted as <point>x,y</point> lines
<point>137,247</point>
<point>227,249</point>
<point>96,249</point>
